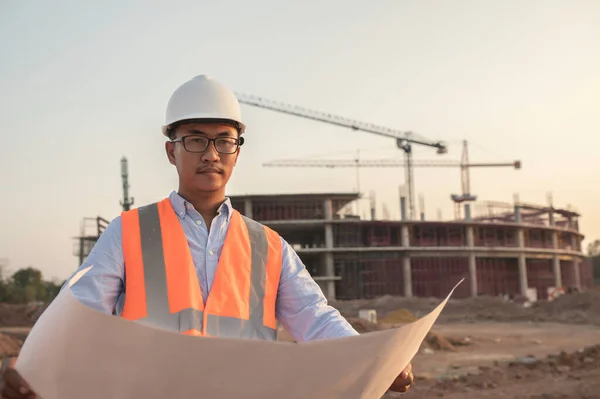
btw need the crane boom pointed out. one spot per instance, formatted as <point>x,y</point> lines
<point>404,139</point>
<point>337,120</point>
<point>463,164</point>
<point>380,163</point>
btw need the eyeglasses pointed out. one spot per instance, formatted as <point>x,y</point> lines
<point>223,145</point>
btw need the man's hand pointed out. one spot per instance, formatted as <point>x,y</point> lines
<point>403,381</point>
<point>12,386</point>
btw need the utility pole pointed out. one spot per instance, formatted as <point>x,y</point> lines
<point>127,202</point>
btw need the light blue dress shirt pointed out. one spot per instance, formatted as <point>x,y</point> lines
<point>301,306</point>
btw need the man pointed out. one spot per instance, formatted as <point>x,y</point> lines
<point>191,263</point>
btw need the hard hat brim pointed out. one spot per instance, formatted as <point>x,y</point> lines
<point>241,128</point>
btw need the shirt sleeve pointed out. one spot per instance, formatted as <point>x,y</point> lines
<point>301,306</point>
<point>103,284</point>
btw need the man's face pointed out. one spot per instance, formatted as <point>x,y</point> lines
<point>207,171</point>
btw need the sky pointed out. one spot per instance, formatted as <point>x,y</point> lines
<point>85,83</point>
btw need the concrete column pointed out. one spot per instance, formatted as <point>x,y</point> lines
<point>407,271</point>
<point>406,264</point>
<point>328,236</point>
<point>328,262</point>
<point>574,242</point>
<point>328,209</point>
<point>472,262</point>
<point>556,262</point>
<point>522,262</point>
<point>473,274</point>
<point>470,237</point>
<point>576,263</point>
<point>402,207</point>
<point>405,236</point>
<point>248,208</point>
<point>523,274</point>
<point>329,285</point>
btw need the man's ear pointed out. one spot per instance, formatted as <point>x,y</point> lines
<point>239,149</point>
<point>170,150</point>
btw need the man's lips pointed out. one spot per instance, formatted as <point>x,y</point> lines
<point>209,170</point>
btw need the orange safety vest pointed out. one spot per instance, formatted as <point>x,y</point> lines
<point>161,285</point>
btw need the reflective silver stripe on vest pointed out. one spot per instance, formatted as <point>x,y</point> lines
<point>157,298</point>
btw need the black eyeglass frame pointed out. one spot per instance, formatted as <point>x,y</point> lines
<point>238,141</point>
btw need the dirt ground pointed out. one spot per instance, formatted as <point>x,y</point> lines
<point>510,360</point>
<point>504,360</point>
<point>479,347</point>
<point>498,348</point>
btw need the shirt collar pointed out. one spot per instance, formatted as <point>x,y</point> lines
<point>181,205</point>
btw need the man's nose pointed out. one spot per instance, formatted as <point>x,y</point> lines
<point>211,153</point>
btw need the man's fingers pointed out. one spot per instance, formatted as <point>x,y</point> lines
<point>407,371</point>
<point>404,380</point>
<point>402,384</point>
<point>14,386</point>
<point>10,392</point>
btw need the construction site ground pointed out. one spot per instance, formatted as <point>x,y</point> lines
<point>507,360</point>
<point>479,348</point>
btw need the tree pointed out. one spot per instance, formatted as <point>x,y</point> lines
<point>594,248</point>
<point>6,291</point>
<point>28,285</point>
<point>594,255</point>
<point>52,289</point>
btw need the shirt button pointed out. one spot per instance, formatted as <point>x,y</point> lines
<point>199,222</point>
<point>210,253</point>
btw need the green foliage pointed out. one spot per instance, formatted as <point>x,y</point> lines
<point>27,286</point>
<point>594,255</point>
<point>596,268</point>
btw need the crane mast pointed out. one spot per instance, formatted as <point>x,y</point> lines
<point>404,139</point>
<point>127,201</point>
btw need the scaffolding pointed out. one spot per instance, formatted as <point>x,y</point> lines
<point>90,231</point>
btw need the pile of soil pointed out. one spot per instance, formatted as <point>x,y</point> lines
<point>9,346</point>
<point>364,326</point>
<point>433,341</point>
<point>400,316</point>
<point>438,342</point>
<point>19,315</point>
<point>385,305</point>
<point>578,308</point>
<point>526,369</point>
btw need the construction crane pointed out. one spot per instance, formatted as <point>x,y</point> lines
<point>463,164</point>
<point>404,139</point>
<point>127,202</point>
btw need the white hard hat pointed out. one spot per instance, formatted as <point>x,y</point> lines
<point>203,98</point>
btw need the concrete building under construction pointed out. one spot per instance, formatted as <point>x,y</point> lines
<point>502,249</point>
<point>514,250</point>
